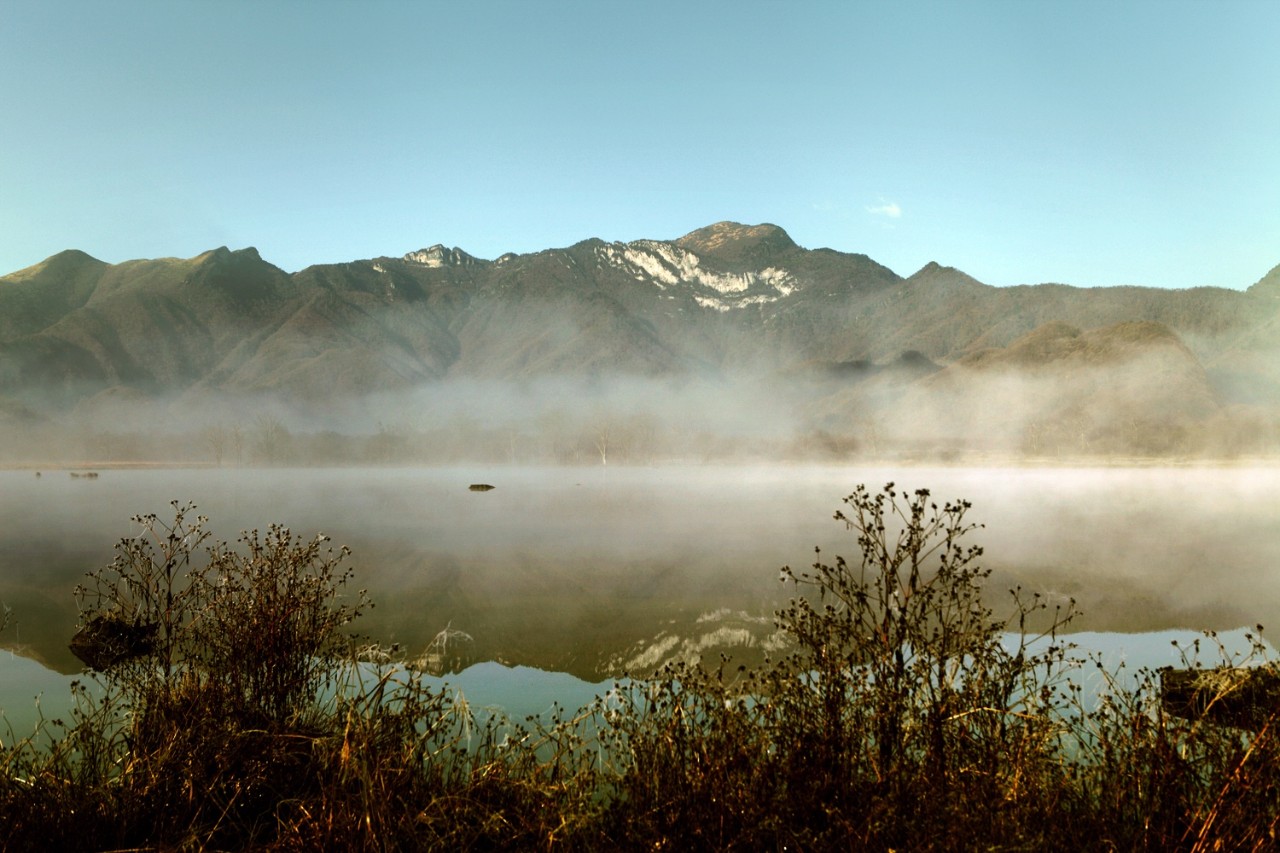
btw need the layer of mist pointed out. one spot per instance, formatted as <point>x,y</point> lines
<point>911,410</point>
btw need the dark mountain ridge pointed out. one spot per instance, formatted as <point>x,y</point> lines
<point>730,301</point>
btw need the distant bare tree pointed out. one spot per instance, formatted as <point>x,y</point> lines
<point>270,438</point>
<point>601,434</point>
<point>1034,437</point>
<point>215,437</point>
<point>237,443</point>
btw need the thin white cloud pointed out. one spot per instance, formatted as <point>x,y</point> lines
<point>886,208</point>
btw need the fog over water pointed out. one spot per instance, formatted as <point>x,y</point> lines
<point>582,569</point>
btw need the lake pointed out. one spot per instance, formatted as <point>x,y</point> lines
<point>590,570</point>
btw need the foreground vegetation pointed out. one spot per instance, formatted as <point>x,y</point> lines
<point>233,711</point>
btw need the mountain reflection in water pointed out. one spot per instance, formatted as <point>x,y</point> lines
<point>592,570</point>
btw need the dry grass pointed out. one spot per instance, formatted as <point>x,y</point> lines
<point>896,719</point>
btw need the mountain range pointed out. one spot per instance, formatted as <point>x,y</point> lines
<point>857,355</point>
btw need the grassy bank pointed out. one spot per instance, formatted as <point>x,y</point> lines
<point>236,712</point>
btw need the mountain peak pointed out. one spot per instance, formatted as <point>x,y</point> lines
<point>735,242</point>
<point>931,268</point>
<point>222,254</point>
<point>440,256</point>
<point>72,256</point>
<point>64,263</point>
<point>934,274</point>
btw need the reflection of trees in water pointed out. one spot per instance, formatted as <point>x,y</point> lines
<point>449,651</point>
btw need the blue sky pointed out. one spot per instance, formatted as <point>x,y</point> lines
<point>1093,143</point>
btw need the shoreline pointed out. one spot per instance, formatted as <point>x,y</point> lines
<point>974,462</point>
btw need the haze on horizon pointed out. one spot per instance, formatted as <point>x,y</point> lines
<point>1086,143</point>
<point>732,343</point>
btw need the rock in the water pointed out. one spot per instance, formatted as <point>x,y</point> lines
<point>1244,698</point>
<point>108,639</point>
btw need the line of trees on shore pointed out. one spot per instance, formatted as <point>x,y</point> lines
<point>270,440</point>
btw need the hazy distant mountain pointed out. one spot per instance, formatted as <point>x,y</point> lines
<point>827,330</point>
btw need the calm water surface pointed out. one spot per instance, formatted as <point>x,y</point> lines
<point>584,570</point>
